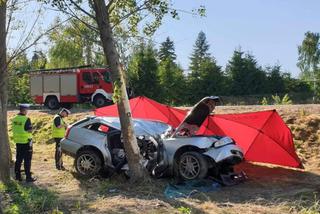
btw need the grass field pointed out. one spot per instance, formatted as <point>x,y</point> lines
<point>269,189</point>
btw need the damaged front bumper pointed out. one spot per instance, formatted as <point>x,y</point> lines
<point>229,154</point>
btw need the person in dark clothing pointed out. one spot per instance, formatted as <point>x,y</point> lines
<point>58,131</point>
<point>22,136</point>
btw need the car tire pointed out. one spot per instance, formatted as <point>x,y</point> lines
<point>192,165</point>
<point>52,103</point>
<point>88,163</point>
<point>214,170</point>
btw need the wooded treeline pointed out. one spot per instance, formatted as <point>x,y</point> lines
<point>155,73</point>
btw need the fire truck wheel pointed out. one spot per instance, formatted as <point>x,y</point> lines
<point>100,101</point>
<point>52,102</point>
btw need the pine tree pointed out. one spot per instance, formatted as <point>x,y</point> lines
<point>206,77</point>
<point>200,51</point>
<point>167,51</point>
<point>172,82</point>
<point>275,82</point>
<point>143,72</point>
<point>246,77</point>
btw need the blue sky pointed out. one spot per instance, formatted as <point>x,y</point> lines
<point>271,30</point>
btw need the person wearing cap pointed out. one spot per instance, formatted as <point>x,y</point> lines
<point>22,136</point>
<point>58,131</point>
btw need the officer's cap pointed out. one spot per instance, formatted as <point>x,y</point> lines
<point>24,106</point>
<point>65,110</point>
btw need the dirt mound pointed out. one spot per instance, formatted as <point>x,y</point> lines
<point>306,134</point>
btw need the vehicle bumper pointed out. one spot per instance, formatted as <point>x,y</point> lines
<point>231,154</point>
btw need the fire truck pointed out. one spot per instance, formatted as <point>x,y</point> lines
<point>63,87</point>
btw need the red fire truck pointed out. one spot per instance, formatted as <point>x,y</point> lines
<point>63,87</point>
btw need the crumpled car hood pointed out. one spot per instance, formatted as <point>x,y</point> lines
<point>197,115</point>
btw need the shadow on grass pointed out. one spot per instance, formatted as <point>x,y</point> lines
<point>265,186</point>
<point>27,198</point>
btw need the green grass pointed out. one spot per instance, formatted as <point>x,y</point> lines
<point>28,199</point>
<point>184,210</point>
<point>313,208</point>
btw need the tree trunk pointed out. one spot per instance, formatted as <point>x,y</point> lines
<point>4,140</point>
<point>137,171</point>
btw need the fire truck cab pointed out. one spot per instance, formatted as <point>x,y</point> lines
<point>63,87</point>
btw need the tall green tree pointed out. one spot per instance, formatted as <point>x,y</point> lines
<point>74,44</point>
<point>18,84</point>
<point>4,140</point>
<point>200,52</point>
<point>206,77</point>
<point>167,51</point>
<point>309,60</point>
<point>275,82</point>
<point>38,60</point>
<point>172,79</point>
<point>143,71</point>
<point>246,76</point>
<point>66,49</point>
<point>172,82</point>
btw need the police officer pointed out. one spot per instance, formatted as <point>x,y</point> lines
<point>58,131</point>
<point>22,136</point>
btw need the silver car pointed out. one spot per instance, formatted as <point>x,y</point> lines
<point>96,144</point>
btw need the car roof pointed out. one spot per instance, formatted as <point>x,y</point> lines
<point>140,126</point>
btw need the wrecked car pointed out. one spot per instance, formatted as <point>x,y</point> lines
<point>96,144</point>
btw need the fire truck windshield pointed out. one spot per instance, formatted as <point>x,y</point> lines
<point>106,76</point>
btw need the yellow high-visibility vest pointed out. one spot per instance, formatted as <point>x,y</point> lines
<point>20,135</point>
<point>58,132</point>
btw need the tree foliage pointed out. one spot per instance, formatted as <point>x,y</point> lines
<point>67,48</point>
<point>206,77</point>
<point>143,71</point>
<point>200,52</point>
<point>309,60</point>
<point>246,76</point>
<point>18,84</point>
<point>167,51</point>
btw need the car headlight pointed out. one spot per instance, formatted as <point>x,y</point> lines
<point>223,141</point>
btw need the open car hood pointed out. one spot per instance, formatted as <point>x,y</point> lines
<point>140,126</point>
<point>196,116</point>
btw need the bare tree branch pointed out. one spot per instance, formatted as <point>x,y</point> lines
<point>110,4</point>
<point>81,9</point>
<point>140,8</point>
<point>19,46</point>
<point>10,15</point>
<point>21,50</point>
<point>74,15</point>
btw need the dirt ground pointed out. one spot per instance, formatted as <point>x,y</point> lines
<point>269,189</point>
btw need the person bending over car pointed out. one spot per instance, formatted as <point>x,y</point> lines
<point>58,131</point>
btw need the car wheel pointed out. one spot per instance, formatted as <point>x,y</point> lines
<point>88,163</point>
<point>192,165</point>
<point>100,101</point>
<point>213,170</point>
<point>52,103</point>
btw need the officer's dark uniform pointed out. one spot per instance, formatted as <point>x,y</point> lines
<point>21,126</point>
